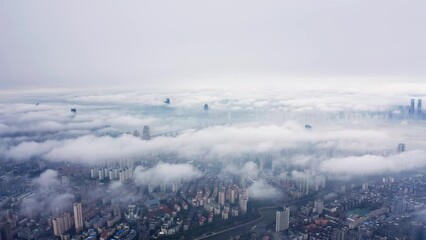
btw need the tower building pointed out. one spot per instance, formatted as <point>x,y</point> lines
<point>419,106</point>
<point>282,220</point>
<point>319,206</point>
<point>58,226</point>
<point>78,217</point>
<point>222,197</point>
<point>136,133</point>
<point>401,147</point>
<point>411,111</point>
<point>146,135</point>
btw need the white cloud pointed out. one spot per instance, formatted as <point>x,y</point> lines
<point>48,180</point>
<point>374,164</point>
<point>262,190</point>
<point>165,173</point>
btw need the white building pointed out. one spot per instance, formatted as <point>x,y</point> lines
<point>282,220</point>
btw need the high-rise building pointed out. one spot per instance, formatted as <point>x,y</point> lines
<point>339,234</point>
<point>243,204</point>
<point>58,226</point>
<point>233,195</point>
<point>93,173</point>
<point>111,174</point>
<point>419,106</point>
<point>61,224</point>
<point>206,107</point>
<point>101,174</point>
<point>303,182</point>
<point>136,133</point>
<point>412,107</point>
<point>67,221</point>
<point>222,197</point>
<point>116,173</point>
<point>282,220</point>
<point>319,206</point>
<point>78,217</point>
<point>175,187</point>
<point>146,135</point>
<point>365,187</point>
<point>399,205</point>
<point>401,147</point>
<point>6,231</point>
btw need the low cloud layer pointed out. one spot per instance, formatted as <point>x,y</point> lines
<point>50,196</point>
<point>219,142</point>
<point>374,165</point>
<point>165,173</point>
<point>349,127</point>
<point>262,191</point>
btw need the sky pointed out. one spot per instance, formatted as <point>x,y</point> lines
<point>51,44</point>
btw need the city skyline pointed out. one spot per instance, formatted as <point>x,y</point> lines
<point>212,120</point>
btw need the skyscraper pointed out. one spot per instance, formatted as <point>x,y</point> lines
<point>319,206</point>
<point>136,133</point>
<point>206,107</point>
<point>78,217</point>
<point>93,173</point>
<point>58,226</point>
<point>232,195</point>
<point>146,135</point>
<point>6,231</point>
<point>282,220</point>
<point>339,234</point>
<point>67,220</point>
<point>61,224</point>
<point>222,196</point>
<point>401,147</point>
<point>101,174</point>
<point>411,111</point>
<point>243,204</point>
<point>419,106</point>
<point>399,205</point>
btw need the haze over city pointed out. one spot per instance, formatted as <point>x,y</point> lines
<point>212,120</point>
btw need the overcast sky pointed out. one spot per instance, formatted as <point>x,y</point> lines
<point>80,43</point>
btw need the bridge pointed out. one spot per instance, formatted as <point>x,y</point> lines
<point>175,133</point>
<point>169,134</point>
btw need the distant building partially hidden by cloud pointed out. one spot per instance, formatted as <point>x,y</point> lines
<point>419,106</point>
<point>401,147</point>
<point>136,133</point>
<point>146,135</point>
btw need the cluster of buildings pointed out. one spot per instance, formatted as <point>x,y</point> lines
<point>187,208</point>
<point>412,110</point>
<point>112,174</point>
<point>146,133</point>
<point>201,203</point>
<point>388,208</point>
<point>303,183</point>
<point>63,223</point>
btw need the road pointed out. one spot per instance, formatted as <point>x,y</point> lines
<point>243,228</point>
<point>239,227</point>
